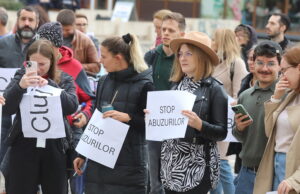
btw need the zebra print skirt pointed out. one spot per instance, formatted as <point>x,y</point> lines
<point>183,164</point>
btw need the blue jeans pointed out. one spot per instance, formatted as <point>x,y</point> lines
<point>154,149</point>
<point>244,182</point>
<point>279,169</point>
<point>226,180</point>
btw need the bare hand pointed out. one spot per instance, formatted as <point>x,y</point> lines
<point>281,87</point>
<point>30,79</point>
<point>82,120</point>
<point>78,163</point>
<point>194,119</point>
<point>120,116</point>
<point>284,188</point>
<point>240,124</point>
<point>2,100</point>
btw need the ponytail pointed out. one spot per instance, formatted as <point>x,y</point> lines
<point>128,46</point>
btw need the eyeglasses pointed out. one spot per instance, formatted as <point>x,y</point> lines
<point>185,54</point>
<point>283,70</point>
<point>262,64</point>
<point>83,25</point>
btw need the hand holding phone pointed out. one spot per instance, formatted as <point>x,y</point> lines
<point>31,66</point>
<point>246,118</point>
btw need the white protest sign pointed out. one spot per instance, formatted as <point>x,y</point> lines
<point>122,11</point>
<point>102,139</point>
<point>41,113</point>
<point>165,120</point>
<point>230,122</point>
<point>6,74</point>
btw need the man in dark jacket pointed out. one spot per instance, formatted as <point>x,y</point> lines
<point>161,60</point>
<point>13,50</point>
<point>277,25</point>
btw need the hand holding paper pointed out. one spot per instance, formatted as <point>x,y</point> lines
<point>117,115</point>
<point>194,119</point>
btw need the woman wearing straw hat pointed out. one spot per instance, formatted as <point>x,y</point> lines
<point>191,164</point>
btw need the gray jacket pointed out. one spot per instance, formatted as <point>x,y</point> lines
<point>11,53</point>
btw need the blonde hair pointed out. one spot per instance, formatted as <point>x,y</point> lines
<point>131,51</point>
<point>228,48</point>
<point>160,14</point>
<point>204,66</point>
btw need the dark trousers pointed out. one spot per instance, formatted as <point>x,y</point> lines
<point>202,188</point>
<point>30,166</point>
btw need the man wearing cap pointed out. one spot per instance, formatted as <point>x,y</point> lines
<point>161,60</point>
<point>277,25</point>
<point>83,47</point>
<point>251,133</point>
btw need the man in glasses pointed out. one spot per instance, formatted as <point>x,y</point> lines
<point>81,23</point>
<point>251,133</point>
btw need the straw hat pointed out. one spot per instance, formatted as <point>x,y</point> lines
<point>198,39</point>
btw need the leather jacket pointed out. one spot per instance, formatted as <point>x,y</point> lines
<point>211,106</point>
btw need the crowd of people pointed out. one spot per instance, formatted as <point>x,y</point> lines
<point>261,76</point>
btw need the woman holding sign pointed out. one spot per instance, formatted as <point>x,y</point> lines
<point>122,95</point>
<point>35,161</point>
<point>279,169</point>
<point>191,164</point>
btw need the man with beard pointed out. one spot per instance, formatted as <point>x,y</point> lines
<point>83,47</point>
<point>161,60</point>
<point>13,48</point>
<point>277,25</point>
<point>251,133</point>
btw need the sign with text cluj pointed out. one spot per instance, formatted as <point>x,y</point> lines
<point>41,113</point>
<point>102,139</point>
<point>165,120</point>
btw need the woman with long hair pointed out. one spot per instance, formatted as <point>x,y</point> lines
<point>126,86</point>
<point>190,165</point>
<point>279,167</point>
<point>230,71</point>
<point>45,164</point>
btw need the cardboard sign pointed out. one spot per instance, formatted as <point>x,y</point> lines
<point>41,113</point>
<point>165,120</point>
<point>102,139</point>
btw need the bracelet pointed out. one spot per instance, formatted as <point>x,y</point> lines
<point>274,100</point>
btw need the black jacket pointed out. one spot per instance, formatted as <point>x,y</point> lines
<point>14,94</point>
<point>130,173</point>
<point>211,107</point>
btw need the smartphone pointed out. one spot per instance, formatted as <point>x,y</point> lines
<point>31,66</point>
<point>239,108</point>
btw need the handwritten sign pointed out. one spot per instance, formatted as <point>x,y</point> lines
<point>165,120</point>
<point>102,139</point>
<point>41,113</point>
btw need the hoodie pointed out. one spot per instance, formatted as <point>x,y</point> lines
<point>74,68</point>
